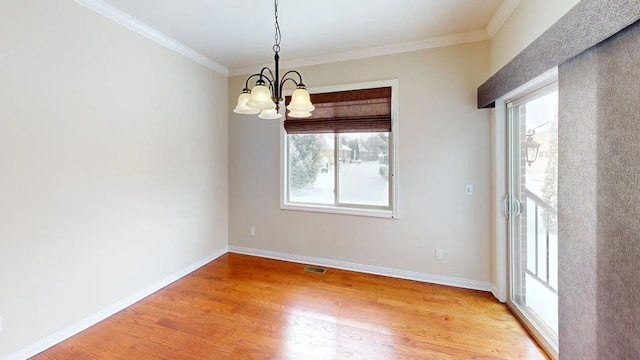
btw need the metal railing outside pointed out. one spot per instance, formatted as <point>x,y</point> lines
<point>549,215</point>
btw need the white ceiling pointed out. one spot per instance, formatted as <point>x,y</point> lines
<point>240,33</point>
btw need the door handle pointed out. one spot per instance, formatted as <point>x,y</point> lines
<point>517,206</point>
<point>512,206</point>
<point>505,202</point>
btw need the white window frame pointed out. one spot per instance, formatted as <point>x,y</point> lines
<point>394,161</point>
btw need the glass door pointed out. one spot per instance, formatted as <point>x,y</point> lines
<point>531,207</point>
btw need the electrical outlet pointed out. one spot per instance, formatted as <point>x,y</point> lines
<point>439,254</point>
<point>252,231</point>
<point>469,190</point>
<point>0,323</point>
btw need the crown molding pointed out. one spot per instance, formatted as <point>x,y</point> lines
<point>126,20</point>
<point>506,9</point>
<point>441,41</point>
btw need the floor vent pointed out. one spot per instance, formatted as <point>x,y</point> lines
<point>315,269</point>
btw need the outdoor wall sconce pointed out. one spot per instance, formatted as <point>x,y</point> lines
<point>532,147</point>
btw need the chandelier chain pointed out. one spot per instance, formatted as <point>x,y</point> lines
<point>278,36</point>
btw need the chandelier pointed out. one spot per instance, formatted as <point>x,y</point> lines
<point>265,97</point>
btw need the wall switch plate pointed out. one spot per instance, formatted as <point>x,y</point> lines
<point>0,323</point>
<point>439,254</point>
<point>469,189</point>
<point>252,231</point>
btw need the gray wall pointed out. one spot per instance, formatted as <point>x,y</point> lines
<point>598,182</point>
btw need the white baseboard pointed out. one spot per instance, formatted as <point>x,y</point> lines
<point>401,274</point>
<point>494,291</point>
<point>105,313</point>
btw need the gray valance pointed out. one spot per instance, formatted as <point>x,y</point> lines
<point>587,24</point>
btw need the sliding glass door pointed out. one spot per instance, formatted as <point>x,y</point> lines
<point>531,207</point>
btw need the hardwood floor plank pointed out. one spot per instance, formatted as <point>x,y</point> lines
<point>246,307</point>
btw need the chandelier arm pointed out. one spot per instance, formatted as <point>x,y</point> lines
<point>298,83</point>
<point>272,89</point>
<point>270,73</point>
<point>284,80</point>
<point>246,84</point>
<point>264,77</point>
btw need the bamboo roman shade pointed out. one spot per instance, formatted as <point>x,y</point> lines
<point>365,110</point>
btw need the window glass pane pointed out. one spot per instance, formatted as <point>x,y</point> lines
<point>311,164</point>
<point>364,169</point>
<point>534,232</point>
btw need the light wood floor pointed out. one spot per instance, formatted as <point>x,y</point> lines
<point>241,307</point>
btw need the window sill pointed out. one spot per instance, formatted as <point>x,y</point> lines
<point>388,214</point>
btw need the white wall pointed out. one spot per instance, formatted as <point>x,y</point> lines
<point>113,166</point>
<point>530,19</point>
<point>444,144</point>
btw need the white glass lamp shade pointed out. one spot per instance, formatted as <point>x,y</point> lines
<point>242,107</point>
<point>261,98</point>
<point>299,114</point>
<point>300,101</point>
<point>269,114</point>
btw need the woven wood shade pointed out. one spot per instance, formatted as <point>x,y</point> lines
<point>365,110</point>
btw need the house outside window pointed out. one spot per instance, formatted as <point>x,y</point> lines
<point>343,159</point>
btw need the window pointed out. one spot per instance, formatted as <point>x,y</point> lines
<point>342,158</point>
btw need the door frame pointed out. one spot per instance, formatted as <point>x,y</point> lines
<point>501,277</point>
